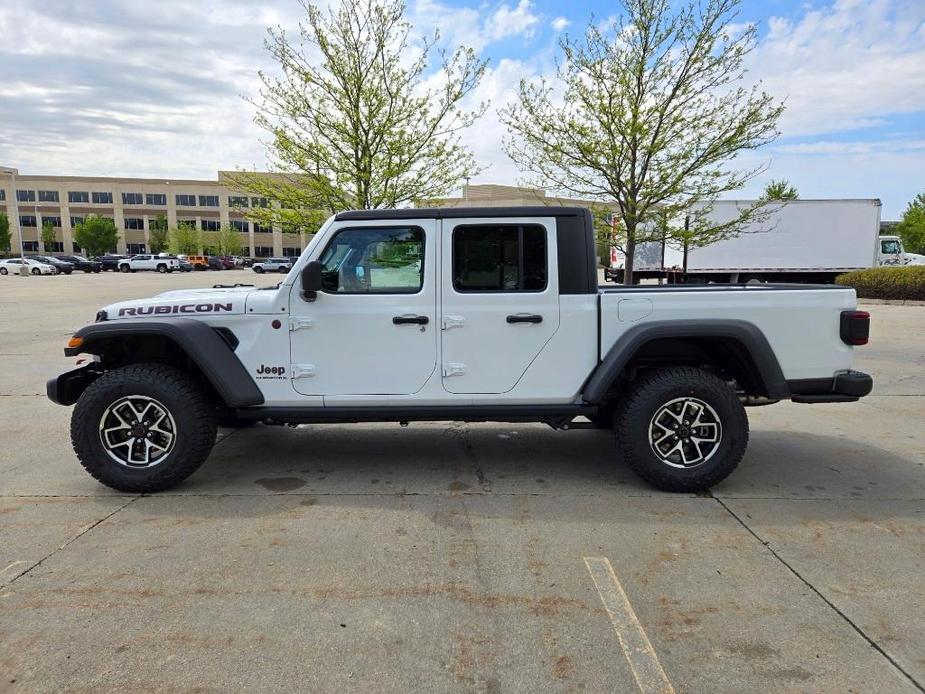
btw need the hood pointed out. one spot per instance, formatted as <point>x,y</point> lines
<point>186,303</point>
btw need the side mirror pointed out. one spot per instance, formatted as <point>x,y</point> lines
<point>311,280</point>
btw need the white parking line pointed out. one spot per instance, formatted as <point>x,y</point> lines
<point>15,563</point>
<point>650,677</point>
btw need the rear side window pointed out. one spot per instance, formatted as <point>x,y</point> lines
<point>374,260</point>
<point>499,258</point>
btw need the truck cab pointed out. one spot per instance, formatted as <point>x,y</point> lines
<point>466,314</point>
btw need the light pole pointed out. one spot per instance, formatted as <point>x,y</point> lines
<point>23,269</point>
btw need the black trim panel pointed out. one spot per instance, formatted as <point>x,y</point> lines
<point>66,388</point>
<point>429,413</point>
<point>629,343</point>
<point>198,340</point>
<point>460,213</point>
<point>575,246</point>
<point>844,387</point>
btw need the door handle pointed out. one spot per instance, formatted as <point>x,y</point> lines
<point>525,318</point>
<point>409,320</point>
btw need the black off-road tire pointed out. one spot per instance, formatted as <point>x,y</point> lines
<point>648,394</point>
<point>194,417</point>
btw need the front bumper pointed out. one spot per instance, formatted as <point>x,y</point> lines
<point>66,388</point>
<point>844,387</point>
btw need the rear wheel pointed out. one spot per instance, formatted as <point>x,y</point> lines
<point>124,268</point>
<point>258,270</point>
<point>283,270</point>
<point>36,271</point>
<point>3,271</point>
<point>681,429</point>
<point>142,428</point>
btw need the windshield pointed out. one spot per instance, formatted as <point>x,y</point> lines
<point>891,246</point>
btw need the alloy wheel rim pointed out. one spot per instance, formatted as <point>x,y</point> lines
<point>685,432</point>
<point>137,431</point>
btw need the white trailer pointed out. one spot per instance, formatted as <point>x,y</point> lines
<point>796,241</point>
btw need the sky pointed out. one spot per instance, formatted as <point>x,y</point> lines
<point>138,88</point>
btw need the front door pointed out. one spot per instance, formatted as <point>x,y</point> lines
<point>373,328</point>
<point>500,300</point>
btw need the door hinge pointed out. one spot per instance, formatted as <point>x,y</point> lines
<point>454,369</point>
<point>302,371</point>
<point>453,322</point>
<point>299,323</point>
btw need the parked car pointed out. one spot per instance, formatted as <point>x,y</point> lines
<point>216,263</point>
<point>61,266</point>
<point>12,266</point>
<point>82,264</point>
<point>273,265</point>
<point>185,265</point>
<point>149,262</point>
<point>110,261</point>
<point>228,262</point>
<point>515,328</point>
<point>199,262</point>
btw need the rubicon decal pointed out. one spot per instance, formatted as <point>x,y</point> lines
<point>176,308</point>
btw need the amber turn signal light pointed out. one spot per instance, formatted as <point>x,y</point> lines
<point>75,342</point>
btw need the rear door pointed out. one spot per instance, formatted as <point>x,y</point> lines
<point>500,300</point>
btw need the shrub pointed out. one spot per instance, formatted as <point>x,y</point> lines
<point>887,282</point>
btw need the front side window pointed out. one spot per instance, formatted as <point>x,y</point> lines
<point>499,258</point>
<point>370,260</point>
<point>891,246</point>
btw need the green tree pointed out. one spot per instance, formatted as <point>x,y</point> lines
<point>648,111</point>
<point>48,236</point>
<point>780,190</point>
<point>5,235</point>
<point>354,120</point>
<point>158,236</point>
<point>185,239</point>
<point>96,235</point>
<point>225,241</point>
<point>911,229</point>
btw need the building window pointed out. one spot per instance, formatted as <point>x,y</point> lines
<point>370,260</point>
<point>186,223</point>
<point>54,219</point>
<point>186,200</point>
<point>135,248</point>
<point>240,225</point>
<point>2,194</point>
<point>237,201</point>
<point>499,258</point>
<point>262,228</point>
<point>245,251</point>
<point>132,198</point>
<point>134,223</point>
<point>75,221</point>
<point>157,199</point>
<point>30,246</point>
<point>77,249</point>
<point>78,196</point>
<point>260,202</point>
<point>57,247</point>
<point>48,196</point>
<point>102,198</point>
<point>208,201</point>
<point>263,251</point>
<point>25,195</point>
<point>210,224</point>
<point>27,220</point>
<point>291,252</point>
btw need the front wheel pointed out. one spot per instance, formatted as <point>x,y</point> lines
<point>36,271</point>
<point>258,270</point>
<point>124,268</point>
<point>162,269</point>
<point>283,271</point>
<point>142,428</point>
<point>681,429</point>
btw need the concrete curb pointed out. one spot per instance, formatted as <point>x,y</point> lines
<point>891,302</point>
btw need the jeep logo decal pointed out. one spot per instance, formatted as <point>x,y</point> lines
<point>266,372</point>
<point>176,308</point>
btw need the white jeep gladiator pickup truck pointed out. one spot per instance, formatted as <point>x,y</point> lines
<point>158,263</point>
<point>468,314</point>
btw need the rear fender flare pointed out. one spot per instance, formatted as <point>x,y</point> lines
<point>628,344</point>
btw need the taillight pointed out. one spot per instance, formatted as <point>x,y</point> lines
<point>855,327</point>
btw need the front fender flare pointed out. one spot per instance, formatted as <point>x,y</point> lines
<point>218,363</point>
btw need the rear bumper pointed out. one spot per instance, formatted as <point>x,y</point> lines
<point>844,387</point>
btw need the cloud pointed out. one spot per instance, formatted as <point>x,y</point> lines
<point>559,23</point>
<point>476,28</point>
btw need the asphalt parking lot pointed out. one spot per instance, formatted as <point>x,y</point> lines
<point>452,557</point>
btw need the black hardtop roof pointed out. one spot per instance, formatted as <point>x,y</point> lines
<point>462,212</point>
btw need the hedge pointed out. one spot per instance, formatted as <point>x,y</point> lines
<point>887,282</point>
